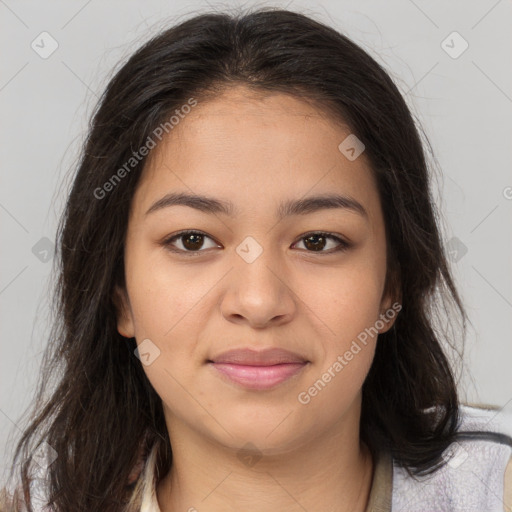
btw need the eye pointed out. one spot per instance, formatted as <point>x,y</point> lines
<point>318,241</point>
<point>194,242</point>
<point>189,241</point>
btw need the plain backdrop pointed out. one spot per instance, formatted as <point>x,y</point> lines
<point>451,60</point>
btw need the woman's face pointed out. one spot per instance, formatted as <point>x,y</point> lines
<point>258,275</point>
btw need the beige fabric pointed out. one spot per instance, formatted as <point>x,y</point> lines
<point>382,484</point>
<point>507,497</point>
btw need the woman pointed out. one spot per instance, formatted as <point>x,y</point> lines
<point>252,283</point>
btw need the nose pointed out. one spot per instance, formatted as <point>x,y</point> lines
<point>258,293</point>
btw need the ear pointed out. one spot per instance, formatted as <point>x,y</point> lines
<point>125,324</point>
<point>391,303</point>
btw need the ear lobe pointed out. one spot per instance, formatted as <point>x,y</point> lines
<point>125,324</point>
<point>391,305</point>
<point>388,316</point>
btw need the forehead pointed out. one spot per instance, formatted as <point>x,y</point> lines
<point>250,147</point>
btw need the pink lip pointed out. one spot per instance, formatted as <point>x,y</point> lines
<point>258,369</point>
<point>259,377</point>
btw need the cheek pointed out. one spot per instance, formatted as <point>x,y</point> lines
<point>164,296</point>
<point>346,304</point>
<point>347,299</point>
<point>171,305</point>
<point>347,308</point>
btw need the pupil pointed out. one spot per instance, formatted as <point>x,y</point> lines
<point>195,241</point>
<point>312,242</point>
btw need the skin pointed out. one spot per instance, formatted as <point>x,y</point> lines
<point>257,150</point>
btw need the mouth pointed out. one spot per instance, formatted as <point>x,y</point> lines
<point>258,370</point>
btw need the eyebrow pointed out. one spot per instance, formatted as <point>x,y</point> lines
<point>287,208</point>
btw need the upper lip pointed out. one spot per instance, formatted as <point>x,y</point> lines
<point>265,357</point>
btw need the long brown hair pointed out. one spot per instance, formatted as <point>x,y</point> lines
<point>95,407</point>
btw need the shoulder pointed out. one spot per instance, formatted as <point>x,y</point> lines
<point>473,477</point>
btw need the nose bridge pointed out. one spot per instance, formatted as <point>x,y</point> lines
<point>258,291</point>
<point>253,270</point>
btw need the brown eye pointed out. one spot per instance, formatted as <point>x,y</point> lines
<point>317,242</point>
<point>192,242</point>
<point>189,241</point>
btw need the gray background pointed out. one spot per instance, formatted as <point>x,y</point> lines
<point>464,104</point>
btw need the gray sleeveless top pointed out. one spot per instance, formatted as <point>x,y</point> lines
<point>472,480</point>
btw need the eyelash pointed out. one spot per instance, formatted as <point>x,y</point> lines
<point>343,244</point>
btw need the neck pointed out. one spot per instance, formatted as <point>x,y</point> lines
<point>332,472</point>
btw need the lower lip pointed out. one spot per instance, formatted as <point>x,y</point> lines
<point>259,377</point>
